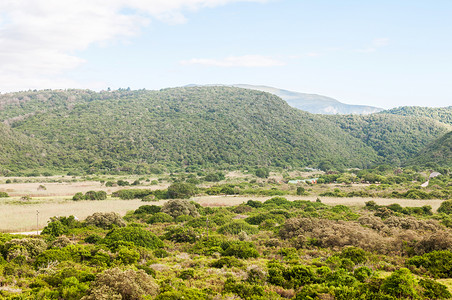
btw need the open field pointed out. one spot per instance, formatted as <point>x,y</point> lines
<point>18,217</point>
<point>64,189</point>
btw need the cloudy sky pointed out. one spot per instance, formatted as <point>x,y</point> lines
<point>384,53</point>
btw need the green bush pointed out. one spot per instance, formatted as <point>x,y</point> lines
<point>178,207</point>
<point>445,207</point>
<point>181,190</point>
<point>160,217</point>
<point>434,290</point>
<point>356,255</point>
<point>239,249</point>
<point>118,284</point>
<point>437,263</point>
<point>181,234</point>
<point>105,220</point>
<point>400,284</point>
<point>227,261</point>
<point>3,195</point>
<point>237,226</point>
<point>90,195</point>
<point>136,235</point>
<point>244,290</point>
<point>186,294</point>
<point>147,209</point>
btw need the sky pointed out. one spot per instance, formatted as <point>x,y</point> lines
<point>382,53</point>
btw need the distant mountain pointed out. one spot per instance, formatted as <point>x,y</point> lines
<point>438,153</point>
<point>312,103</point>
<point>441,114</point>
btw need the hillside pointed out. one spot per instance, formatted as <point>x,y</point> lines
<point>441,114</point>
<point>316,104</point>
<point>221,127</point>
<point>394,138</point>
<point>438,153</point>
<point>192,126</point>
<point>18,151</point>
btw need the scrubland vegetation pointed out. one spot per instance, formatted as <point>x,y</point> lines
<point>267,248</point>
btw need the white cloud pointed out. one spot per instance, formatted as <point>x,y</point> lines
<point>375,45</point>
<point>236,61</point>
<point>39,38</point>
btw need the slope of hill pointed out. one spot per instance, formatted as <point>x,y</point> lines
<point>441,114</point>
<point>394,138</point>
<point>218,126</point>
<point>438,153</point>
<point>312,103</point>
<point>18,151</point>
<point>193,126</point>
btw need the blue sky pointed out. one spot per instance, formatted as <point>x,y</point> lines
<point>380,53</point>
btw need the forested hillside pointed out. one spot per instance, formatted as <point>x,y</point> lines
<point>441,114</point>
<point>193,126</point>
<point>394,138</point>
<point>438,153</point>
<point>221,127</point>
<point>18,151</point>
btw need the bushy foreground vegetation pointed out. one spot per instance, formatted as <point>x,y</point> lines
<point>276,249</point>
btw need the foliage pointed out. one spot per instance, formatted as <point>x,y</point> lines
<point>237,226</point>
<point>136,235</point>
<point>118,284</point>
<point>177,207</point>
<point>90,195</point>
<point>105,220</point>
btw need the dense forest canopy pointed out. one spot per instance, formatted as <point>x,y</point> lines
<point>441,114</point>
<point>226,127</point>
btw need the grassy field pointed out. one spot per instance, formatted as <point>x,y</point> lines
<point>17,216</point>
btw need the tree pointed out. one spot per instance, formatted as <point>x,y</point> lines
<point>181,190</point>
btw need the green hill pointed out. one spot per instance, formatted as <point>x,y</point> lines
<point>438,153</point>
<point>394,138</point>
<point>441,114</point>
<point>222,127</point>
<point>18,151</point>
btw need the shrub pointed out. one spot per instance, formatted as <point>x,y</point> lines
<point>227,261</point>
<point>356,255</point>
<point>237,226</point>
<point>3,195</point>
<point>25,247</point>
<point>105,220</point>
<point>147,209</point>
<point>117,284</point>
<point>187,274</point>
<point>181,234</point>
<point>400,284</point>
<point>244,290</point>
<point>437,263</point>
<point>160,217</point>
<point>90,195</point>
<point>179,207</point>
<point>434,290</point>
<point>240,249</point>
<point>181,190</point>
<point>262,173</point>
<point>445,207</point>
<point>93,239</point>
<point>136,235</point>
<point>60,225</point>
<point>254,203</point>
<point>189,294</point>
